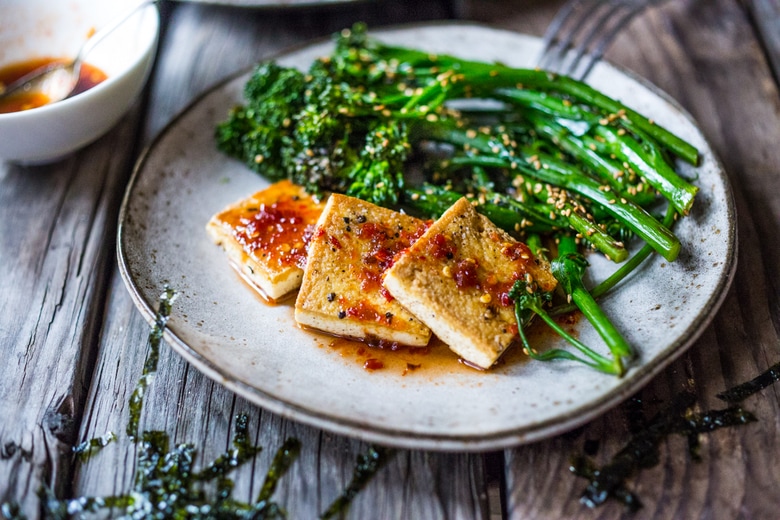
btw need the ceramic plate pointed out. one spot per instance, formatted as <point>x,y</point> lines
<point>224,329</point>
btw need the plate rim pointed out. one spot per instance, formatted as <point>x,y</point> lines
<point>354,428</point>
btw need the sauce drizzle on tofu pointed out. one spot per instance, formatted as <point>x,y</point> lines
<point>266,237</point>
<point>278,232</point>
<point>342,292</point>
<point>466,272</point>
<point>382,244</point>
<point>385,244</point>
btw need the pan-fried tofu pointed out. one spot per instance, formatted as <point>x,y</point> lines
<point>456,279</point>
<point>265,236</point>
<point>342,294</point>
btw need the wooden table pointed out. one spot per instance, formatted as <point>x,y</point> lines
<point>73,344</point>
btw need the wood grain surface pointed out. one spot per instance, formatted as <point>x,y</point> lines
<point>73,344</point>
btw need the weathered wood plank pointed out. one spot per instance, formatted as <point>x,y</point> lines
<point>766,16</point>
<point>56,235</point>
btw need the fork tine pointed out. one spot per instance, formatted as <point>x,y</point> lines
<point>621,12</point>
<point>600,45</point>
<point>561,17</point>
<point>584,17</point>
<point>582,30</point>
<point>562,30</point>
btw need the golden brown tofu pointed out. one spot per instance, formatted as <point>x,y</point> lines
<point>265,236</point>
<point>456,279</point>
<point>342,294</point>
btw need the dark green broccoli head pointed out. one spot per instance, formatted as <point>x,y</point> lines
<point>275,94</point>
<point>378,175</point>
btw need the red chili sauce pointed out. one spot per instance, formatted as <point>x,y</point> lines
<point>467,274</point>
<point>281,231</point>
<point>385,243</point>
<point>88,78</point>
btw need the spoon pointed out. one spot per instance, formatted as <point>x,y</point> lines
<point>58,80</point>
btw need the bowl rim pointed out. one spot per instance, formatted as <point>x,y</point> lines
<point>149,47</point>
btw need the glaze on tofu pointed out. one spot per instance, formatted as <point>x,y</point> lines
<point>354,243</point>
<point>456,279</point>
<point>266,235</point>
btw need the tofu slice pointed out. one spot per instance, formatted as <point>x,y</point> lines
<point>265,236</point>
<point>342,294</point>
<point>456,280</point>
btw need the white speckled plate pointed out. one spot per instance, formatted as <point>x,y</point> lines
<point>225,330</point>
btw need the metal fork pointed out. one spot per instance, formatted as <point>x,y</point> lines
<point>582,30</point>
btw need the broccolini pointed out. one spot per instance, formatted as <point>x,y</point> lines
<point>398,127</point>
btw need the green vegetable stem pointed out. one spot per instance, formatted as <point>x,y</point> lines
<point>569,268</point>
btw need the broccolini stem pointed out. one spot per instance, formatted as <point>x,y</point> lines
<point>508,214</point>
<point>491,152</point>
<point>602,241</point>
<point>633,216</point>
<point>568,269</point>
<point>514,216</point>
<point>608,171</point>
<point>489,77</point>
<point>557,173</point>
<point>546,115</point>
<point>530,303</point>
<point>648,162</point>
<point>621,272</point>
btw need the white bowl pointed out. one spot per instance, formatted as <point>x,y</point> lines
<point>32,29</point>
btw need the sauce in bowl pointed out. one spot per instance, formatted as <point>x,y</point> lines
<point>88,78</point>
